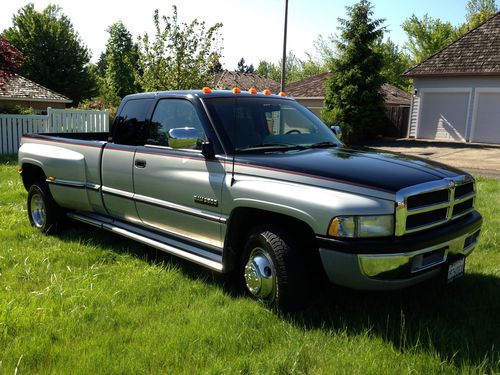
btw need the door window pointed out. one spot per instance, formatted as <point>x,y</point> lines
<point>175,124</point>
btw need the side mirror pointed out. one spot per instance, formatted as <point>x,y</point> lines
<point>336,130</point>
<point>207,149</point>
<point>183,138</point>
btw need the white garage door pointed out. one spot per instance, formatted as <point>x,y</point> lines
<point>443,115</point>
<point>487,124</point>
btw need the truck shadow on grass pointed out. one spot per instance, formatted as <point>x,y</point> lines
<point>460,321</point>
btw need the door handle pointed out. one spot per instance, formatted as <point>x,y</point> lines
<point>140,163</point>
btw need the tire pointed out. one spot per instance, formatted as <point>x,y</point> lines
<point>43,212</point>
<point>274,269</point>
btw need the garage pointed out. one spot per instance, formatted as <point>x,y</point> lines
<point>456,91</point>
<point>445,116</point>
<point>486,125</point>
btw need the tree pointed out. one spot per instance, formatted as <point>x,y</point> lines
<point>353,98</point>
<point>11,59</point>
<point>121,60</point>
<point>426,36</point>
<point>243,68</point>
<point>54,55</point>
<point>395,63</point>
<point>214,64</point>
<point>478,11</point>
<point>177,56</point>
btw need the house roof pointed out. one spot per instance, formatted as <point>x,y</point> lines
<point>475,53</point>
<point>20,88</point>
<point>227,80</point>
<point>314,87</point>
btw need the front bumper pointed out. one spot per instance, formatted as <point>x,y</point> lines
<point>396,263</point>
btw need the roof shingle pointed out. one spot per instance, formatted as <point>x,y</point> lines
<point>18,87</point>
<point>227,80</point>
<point>314,87</point>
<point>475,53</point>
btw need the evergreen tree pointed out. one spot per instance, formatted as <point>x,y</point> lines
<point>244,68</point>
<point>353,98</point>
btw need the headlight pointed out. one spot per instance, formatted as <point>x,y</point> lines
<point>362,226</point>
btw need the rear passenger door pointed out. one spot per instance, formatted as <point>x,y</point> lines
<point>178,190</point>
<point>118,159</point>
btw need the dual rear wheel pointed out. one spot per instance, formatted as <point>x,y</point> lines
<point>43,212</point>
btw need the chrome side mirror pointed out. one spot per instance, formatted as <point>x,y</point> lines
<point>336,130</point>
<point>184,138</point>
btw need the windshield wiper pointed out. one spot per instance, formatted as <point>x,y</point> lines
<point>326,144</point>
<point>270,147</point>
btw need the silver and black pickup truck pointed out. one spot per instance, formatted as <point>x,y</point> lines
<point>258,186</point>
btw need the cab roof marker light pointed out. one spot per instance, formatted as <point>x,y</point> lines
<point>281,93</point>
<point>252,91</point>
<point>206,90</point>
<point>236,90</point>
<point>266,92</point>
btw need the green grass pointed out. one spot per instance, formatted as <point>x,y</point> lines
<point>87,301</point>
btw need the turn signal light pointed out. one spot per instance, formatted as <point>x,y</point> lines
<point>236,90</point>
<point>252,91</point>
<point>206,90</point>
<point>266,92</point>
<point>281,93</point>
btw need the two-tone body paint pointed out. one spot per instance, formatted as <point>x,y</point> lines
<point>191,198</point>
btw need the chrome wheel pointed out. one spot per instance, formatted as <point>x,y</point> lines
<point>260,276</point>
<point>38,211</point>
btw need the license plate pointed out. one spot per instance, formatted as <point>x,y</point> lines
<point>456,269</point>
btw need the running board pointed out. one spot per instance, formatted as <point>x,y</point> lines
<point>110,225</point>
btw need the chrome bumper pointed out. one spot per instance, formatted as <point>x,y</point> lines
<point>395,270</point>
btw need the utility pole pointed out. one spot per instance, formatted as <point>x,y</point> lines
<point>283,61</point>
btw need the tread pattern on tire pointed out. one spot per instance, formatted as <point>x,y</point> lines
<point>292,269</point>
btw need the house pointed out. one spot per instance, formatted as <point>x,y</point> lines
<point>457,90</point>
<point>227,80</point>
<point>311,93</point>
<point>20,91</point>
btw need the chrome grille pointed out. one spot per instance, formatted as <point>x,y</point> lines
<point>434,203</point>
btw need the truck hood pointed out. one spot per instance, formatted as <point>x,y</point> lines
<point>382,171</point>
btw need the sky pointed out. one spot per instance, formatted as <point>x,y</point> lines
<point>252,29</point>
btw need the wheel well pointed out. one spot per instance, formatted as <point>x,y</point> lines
<point>243,220</point>
<point>31,174</point>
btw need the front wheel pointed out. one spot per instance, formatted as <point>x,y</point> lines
<point>43,212</point>
<point>274,269</point>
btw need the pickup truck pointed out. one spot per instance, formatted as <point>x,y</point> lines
<point>255,185</point>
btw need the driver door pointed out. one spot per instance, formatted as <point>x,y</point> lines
<point>177,190</point>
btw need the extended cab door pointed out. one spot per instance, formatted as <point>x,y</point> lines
<point>177,189</point>
<point>118,159</point>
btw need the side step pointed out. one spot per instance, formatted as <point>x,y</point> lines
<point>171,246</point>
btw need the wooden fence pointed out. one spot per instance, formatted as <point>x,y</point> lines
<point>397,121</point>
<point>12,127</point>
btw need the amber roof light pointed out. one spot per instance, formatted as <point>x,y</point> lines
<point>281,93</point>
<point>236,90</point>
<point>252,91</point>
<point>206,90</point>
<point>266,92</point>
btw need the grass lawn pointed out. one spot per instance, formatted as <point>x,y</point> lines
<point>87,301</point>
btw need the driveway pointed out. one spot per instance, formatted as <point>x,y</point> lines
<point>476,158</point>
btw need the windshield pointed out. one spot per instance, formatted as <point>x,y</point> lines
<point>267,124</point>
